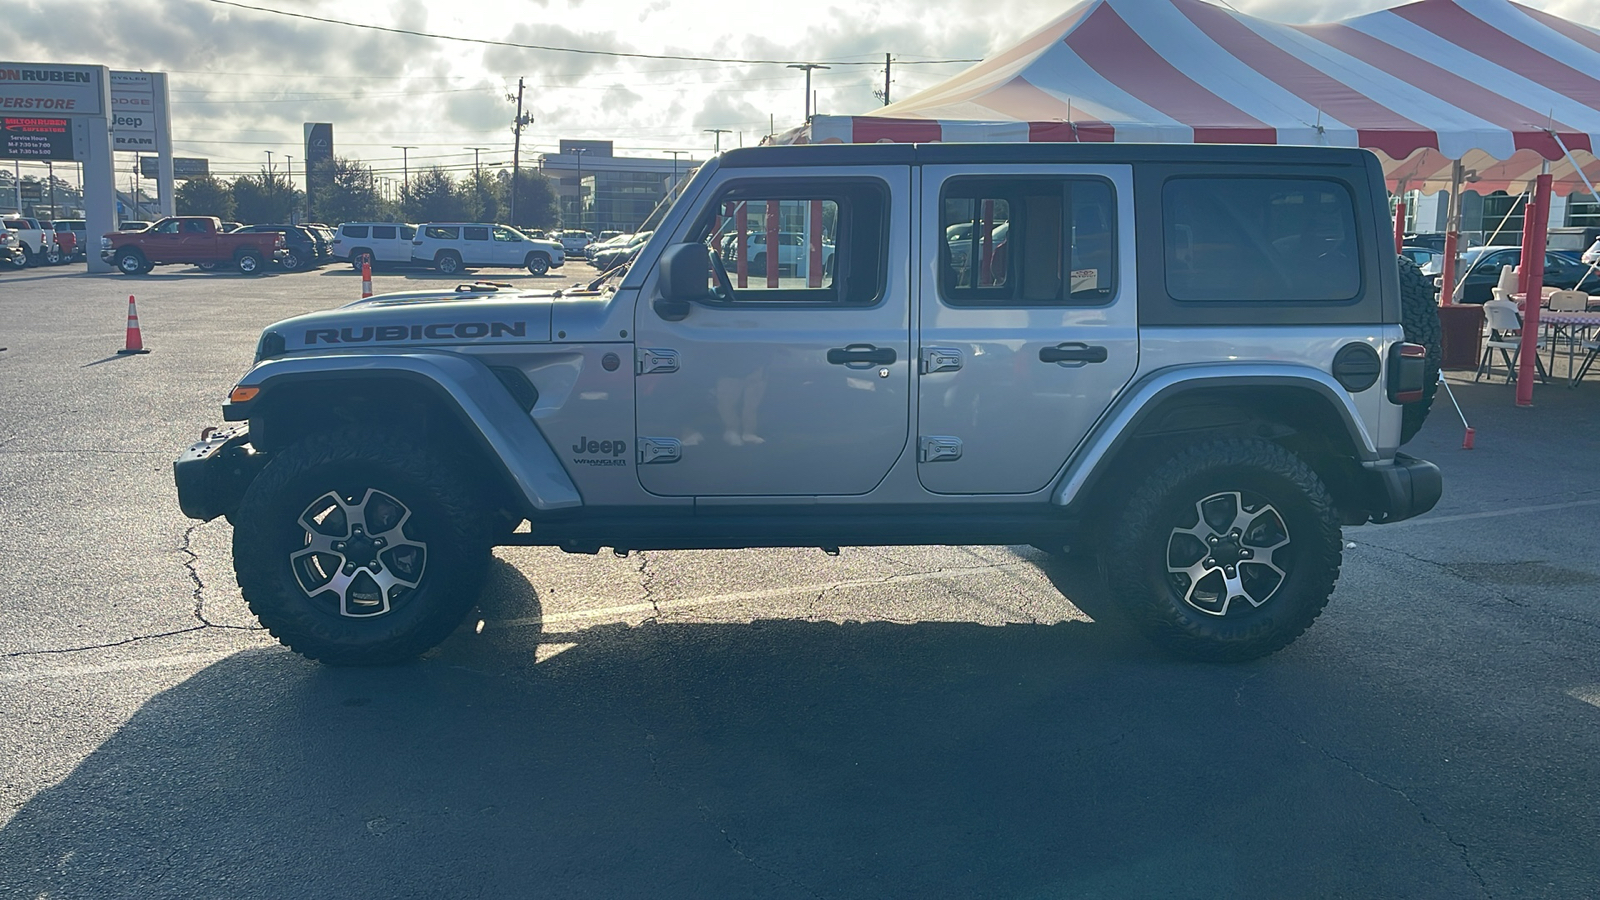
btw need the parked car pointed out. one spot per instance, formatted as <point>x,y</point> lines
<point>298,240</point>
<point>374,243</point>
<point>453,246</point>
<point>1481,267</point>
<point>78,232</point>
<point>605,244</point>
<point>324,235</point>
<point>197,240</point>
<point>11,248</point>
<point>231,227</point>
<point>1430,261</point>
<point>620,252</point>
<point>573,241</point>
<point>792,252</point>
<point>1592,255</point>
<point>37,243</point>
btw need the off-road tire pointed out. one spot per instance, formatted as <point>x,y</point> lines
<point>250,263</point>
<point>293,261</point>
<point>538,263</point>
<point>448,263</point>
<point>1419,316</point>
<point>448,516</point>
<point>131,262</point>
<point>1136,556</point>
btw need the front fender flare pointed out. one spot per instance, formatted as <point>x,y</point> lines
<point>1121,423</point>
<point>504,430</point>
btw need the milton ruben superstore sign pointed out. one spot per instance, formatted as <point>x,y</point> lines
<point>47,76</point>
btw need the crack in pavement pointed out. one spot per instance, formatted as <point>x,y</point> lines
<point>198,595</point>
<point>1501,595</point>
<point>1461,848</point>
<point>647,578</point>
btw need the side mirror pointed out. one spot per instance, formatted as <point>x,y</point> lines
<point>684,270</point>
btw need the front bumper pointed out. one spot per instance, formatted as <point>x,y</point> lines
<point>1407,487</point>
<point>212,475</point>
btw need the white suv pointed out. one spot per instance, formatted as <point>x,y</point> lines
<point>374,242</point>
<point>453,246</point>
<point>38,245</point>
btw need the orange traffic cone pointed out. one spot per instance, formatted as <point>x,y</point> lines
<point>135,343</point>
<point>366,280</point>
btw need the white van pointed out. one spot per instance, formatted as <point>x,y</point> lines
<point>374,242</point>
<point>453,246</point>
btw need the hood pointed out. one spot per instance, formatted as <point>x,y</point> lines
<point>480,315</point>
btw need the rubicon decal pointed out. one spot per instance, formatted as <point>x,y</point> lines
<point>438,331</point>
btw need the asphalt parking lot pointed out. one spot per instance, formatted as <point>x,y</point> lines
<point>903,722</point>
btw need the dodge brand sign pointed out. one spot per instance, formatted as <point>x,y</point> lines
<point>27,138</point>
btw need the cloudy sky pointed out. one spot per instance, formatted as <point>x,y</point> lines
<point>243,80</point>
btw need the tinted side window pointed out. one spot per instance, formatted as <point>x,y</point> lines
<point>354,231</point>
<point>1013,242</point>
<point>407,232</point>
<point>1260,239</point>
<point>475,233</point>
<point>383,232</point>
<point>441,232</point>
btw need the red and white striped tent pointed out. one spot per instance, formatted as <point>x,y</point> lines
<point>1499,86</point>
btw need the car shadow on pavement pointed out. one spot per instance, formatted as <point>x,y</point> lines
<point>780,758</point>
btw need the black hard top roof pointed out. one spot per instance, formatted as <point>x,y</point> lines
<point>1056,152</point>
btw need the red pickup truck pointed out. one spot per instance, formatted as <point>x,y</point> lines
<point>189,239</point>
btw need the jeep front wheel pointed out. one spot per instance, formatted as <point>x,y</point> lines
<point>1226,552</point>
<point>538,263</point>
<point>359,549</point>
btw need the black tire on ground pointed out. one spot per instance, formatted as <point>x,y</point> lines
<point>538,263</point>
<point>131,262</point>
<point>206,266</point>
<point>362,256</point>
<point>293,261</point>
<point>1419,316</point>
<point>250,263</point>
<point>437,542</point>
<point>1244,505</point>
<point>448,263</point>
<point>28,258</point>
<point>52,257</point>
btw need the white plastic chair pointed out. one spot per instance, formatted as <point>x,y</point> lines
<point>1569,301</point>
<point>1505,328</point>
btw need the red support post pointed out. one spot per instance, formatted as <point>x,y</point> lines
<point>774,252</point>
<point>814,247</point>
<point>1447,270</point>
<point>742,222</point>
<point>1400,223</point>
<point>1535,233</point>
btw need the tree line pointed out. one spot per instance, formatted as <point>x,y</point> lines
<point>347,191</point>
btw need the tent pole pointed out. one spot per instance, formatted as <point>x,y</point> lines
<point>1400,218</point>
<point>1452,237</point>
<point>1533,272</point>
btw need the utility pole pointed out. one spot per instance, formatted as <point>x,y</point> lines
<point>888,66</point>
<point>50,167</point>
<point>578,152</point>
<point>288,167</point>
<point>405,160</point>
<point>675,154</point>
<point>807,67</point>
<point>719,132</point>
<point>477,173</point>
<point>517,124</point>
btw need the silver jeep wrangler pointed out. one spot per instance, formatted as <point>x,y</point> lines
<point>1199,361</point>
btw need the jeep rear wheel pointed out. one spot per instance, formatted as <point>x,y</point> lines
<point>448,263</point>
<point>360,257</point>
<point>1228,551</point>
<point>359,549</point>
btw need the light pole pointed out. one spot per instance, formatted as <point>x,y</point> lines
<point>675,155</point>
<point>405,163</point>
<point>807,67</point>
<point>719,132</point>
<point>477,179</point>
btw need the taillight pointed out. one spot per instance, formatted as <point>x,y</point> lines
<point>1408,372</point>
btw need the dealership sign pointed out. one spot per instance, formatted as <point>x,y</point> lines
<point>31,138</point>
<point>42,89</point>
<point>133,112</point>
<point>183,167</point>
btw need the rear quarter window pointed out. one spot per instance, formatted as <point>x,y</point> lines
<point>475,233</point>
<point>1266,240</point>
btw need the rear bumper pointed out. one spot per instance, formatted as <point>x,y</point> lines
<point>212,475</point>
<point>1404,488</point>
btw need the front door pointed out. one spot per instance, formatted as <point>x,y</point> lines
<point>798,383</point>
<point>509,247</point>
<point>1028,325</point>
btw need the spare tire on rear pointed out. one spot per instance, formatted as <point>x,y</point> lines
<point>1419,316</point>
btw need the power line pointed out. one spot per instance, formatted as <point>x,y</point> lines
<point>553,49</point>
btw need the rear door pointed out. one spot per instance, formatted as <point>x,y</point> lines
<point>476,248</point>
<point>1028,324</point>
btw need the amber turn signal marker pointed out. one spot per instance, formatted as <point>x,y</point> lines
<point>243,394</point>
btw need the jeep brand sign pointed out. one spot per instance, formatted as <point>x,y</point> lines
<point>25,138</point>
<point>37,88</point>
<point>133,112</point>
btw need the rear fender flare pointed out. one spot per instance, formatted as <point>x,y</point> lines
<point>1099,452</point>
<point>507,435</point>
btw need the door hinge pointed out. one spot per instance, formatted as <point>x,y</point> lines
<point>659,450</point>
<point>940,359</point>
<point>648,360</point>
<point>938,448</point>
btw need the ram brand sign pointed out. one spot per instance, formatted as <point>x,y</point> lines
<point>43,89</point>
